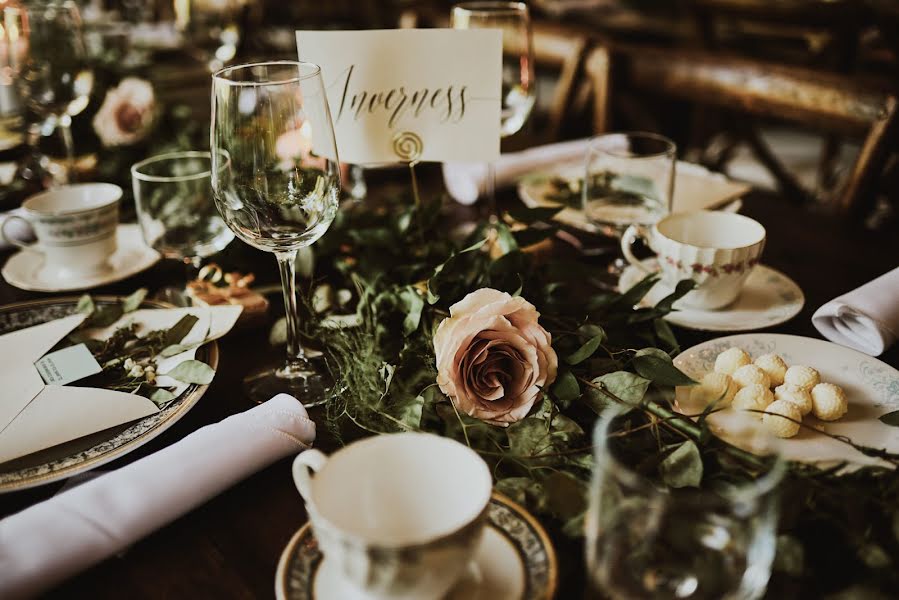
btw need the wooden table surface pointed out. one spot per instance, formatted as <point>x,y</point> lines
<point>230,546</point>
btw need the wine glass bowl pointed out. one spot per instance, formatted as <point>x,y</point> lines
<point>276,182</point>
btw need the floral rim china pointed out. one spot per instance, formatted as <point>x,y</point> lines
<point>512,534</point>
<point>872,388</point>
<point>89,452</point>
<point>768,298</point>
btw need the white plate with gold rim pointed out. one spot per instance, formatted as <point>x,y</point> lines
<point>24,268</point>
<point>768,298</point>
<point>871,386</point>
<point>515,560</point>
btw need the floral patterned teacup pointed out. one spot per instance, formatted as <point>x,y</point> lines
<point>396,516</point>
<point>75,227</point>
<point>717,250</point>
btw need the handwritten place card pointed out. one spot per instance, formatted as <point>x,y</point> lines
<point>410,94</point>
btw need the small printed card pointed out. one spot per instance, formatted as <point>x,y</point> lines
<point>402,95</point>
<point>67,365</point>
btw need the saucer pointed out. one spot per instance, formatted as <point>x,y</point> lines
<point>768,298</point>
<point>23,269</point>
<point>516,561</point>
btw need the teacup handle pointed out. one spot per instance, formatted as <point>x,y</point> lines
<point>11,240</point>
<point>307,462</point>
<point>627,240</point>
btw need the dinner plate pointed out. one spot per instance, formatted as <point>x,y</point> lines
<point>132,256</point>
<point>768,298</point>
<point>516,561</point>
<point>695,188</point>
<point>89,452</point>
<point>871,386</point>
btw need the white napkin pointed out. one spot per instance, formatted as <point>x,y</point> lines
<point>867,318</point>
<point>48,542</point>
<point>16,229</point>
<point>467,181</point>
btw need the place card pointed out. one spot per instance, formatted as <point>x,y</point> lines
<point>402,95</point>
<point>67,365</point>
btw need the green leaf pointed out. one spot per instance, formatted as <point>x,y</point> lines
<point>133,302</point>
<point>633,296</point>
<point>445,270</point>
<point>523,490</point>
<point>627,386</point>
<point>890,418</point>
<point>410,413</point>
<point>176,349</point>
<point>683,467</point>
<point>680,290</point>
<point>412,304</point>
<point>664,333</point>
<point>532,235</point>
<point>564,429</point>
<point>566,497</point>
<point>192,371</point>
<point>180,329</point>
<point>566,388</point>
<point>161,395</point>
<point>660,371</point>
<point>529,437</point>
<point>533,215</point>
<point>790,556</point>
<point>585,351</point>
<point>505,239</point>
<point>85,305</point>
<point>653,352</point>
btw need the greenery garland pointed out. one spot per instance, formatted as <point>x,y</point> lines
<point>403,272</point>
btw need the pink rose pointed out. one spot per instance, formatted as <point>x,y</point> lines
<point>493,357</point>
<point>127,113</point>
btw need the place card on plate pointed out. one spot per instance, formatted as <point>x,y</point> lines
<point>35,415</point>
<point>411,94</point>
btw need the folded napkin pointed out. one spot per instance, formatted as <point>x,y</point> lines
<point>48,542</point>
<point>17,229</point>
<point>867,318</point>
<point>467,181</point>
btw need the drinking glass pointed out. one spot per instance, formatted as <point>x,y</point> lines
<point>212,28</point>
<point>518,80</point>
<point>51,69</point>
<point>648,540</point>
<point>175,208</point>
<point>279,189</point>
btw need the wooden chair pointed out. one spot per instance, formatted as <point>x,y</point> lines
<point>746,89</point>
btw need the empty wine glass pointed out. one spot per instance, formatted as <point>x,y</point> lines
<point>646,539</point>
<point>175,208</point>
<point>51,69</point>
<point>279,189</point>
<point>518,80</point>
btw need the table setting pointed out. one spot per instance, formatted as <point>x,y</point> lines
<point>586,369</point>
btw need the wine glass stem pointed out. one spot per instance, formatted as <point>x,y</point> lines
<point>65,131</point>
<point>296,357</point>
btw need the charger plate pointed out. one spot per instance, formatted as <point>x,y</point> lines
<point>516,560</point>
<point>89,452</point>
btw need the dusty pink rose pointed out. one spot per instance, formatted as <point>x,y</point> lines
<point>493,357</point>
<point>127,113</point>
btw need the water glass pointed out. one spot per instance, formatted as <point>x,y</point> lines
<point>646,539</point>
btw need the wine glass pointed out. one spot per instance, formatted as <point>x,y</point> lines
<point>212,27</point>
<point>176,211</point>
<point>51,69</point>
<point>518,85</point>
<point>279,190</point>
<point>647,539</point>
<point>629,180</point>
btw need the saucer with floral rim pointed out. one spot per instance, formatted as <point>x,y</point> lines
<point>768,298</point>
<point>24,268</point>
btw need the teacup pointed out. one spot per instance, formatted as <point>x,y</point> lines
<point>399,516</point>
<point>75,227</point>
<point>716,249</point>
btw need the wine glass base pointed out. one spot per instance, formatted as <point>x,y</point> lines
<point>307,385</point>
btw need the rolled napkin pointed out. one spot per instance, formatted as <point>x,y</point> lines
<point>16,229</point>
<point>50,541</point>
<point>467,181</point>
<point>867,318</point>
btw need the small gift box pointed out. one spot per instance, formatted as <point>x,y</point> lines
<point>214,287</point>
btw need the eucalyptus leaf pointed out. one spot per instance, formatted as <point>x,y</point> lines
<point>410,413</point>
<point>529,437</point>
<point>683,467</point>
<point>161,395</point>
<point>133,302</point>
<point>524,490</point>
<point>680,290</point>
<point>180,329</point>
<point>192,371</point>
<point>413,304</point>
<point>890,418</point>
<point>664,333</point>
<point>104,316</point>
<point>566,388</point>
<point>660,371</point>
<point>585,351</point>
<point>626,386</point>
<point>566,497</point>
<point>505,239</point>
<point>633,296</point>
<point>653,352</point>
<point>85,305</point>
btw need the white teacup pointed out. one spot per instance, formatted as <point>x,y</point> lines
<point>75,227</point>
<point>716,249</point>
<point>399,516</point>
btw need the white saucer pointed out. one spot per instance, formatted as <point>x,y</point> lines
<point>23,269</point>
<point>768,298</point>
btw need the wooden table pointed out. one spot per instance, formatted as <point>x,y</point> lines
<point>229,547</point>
